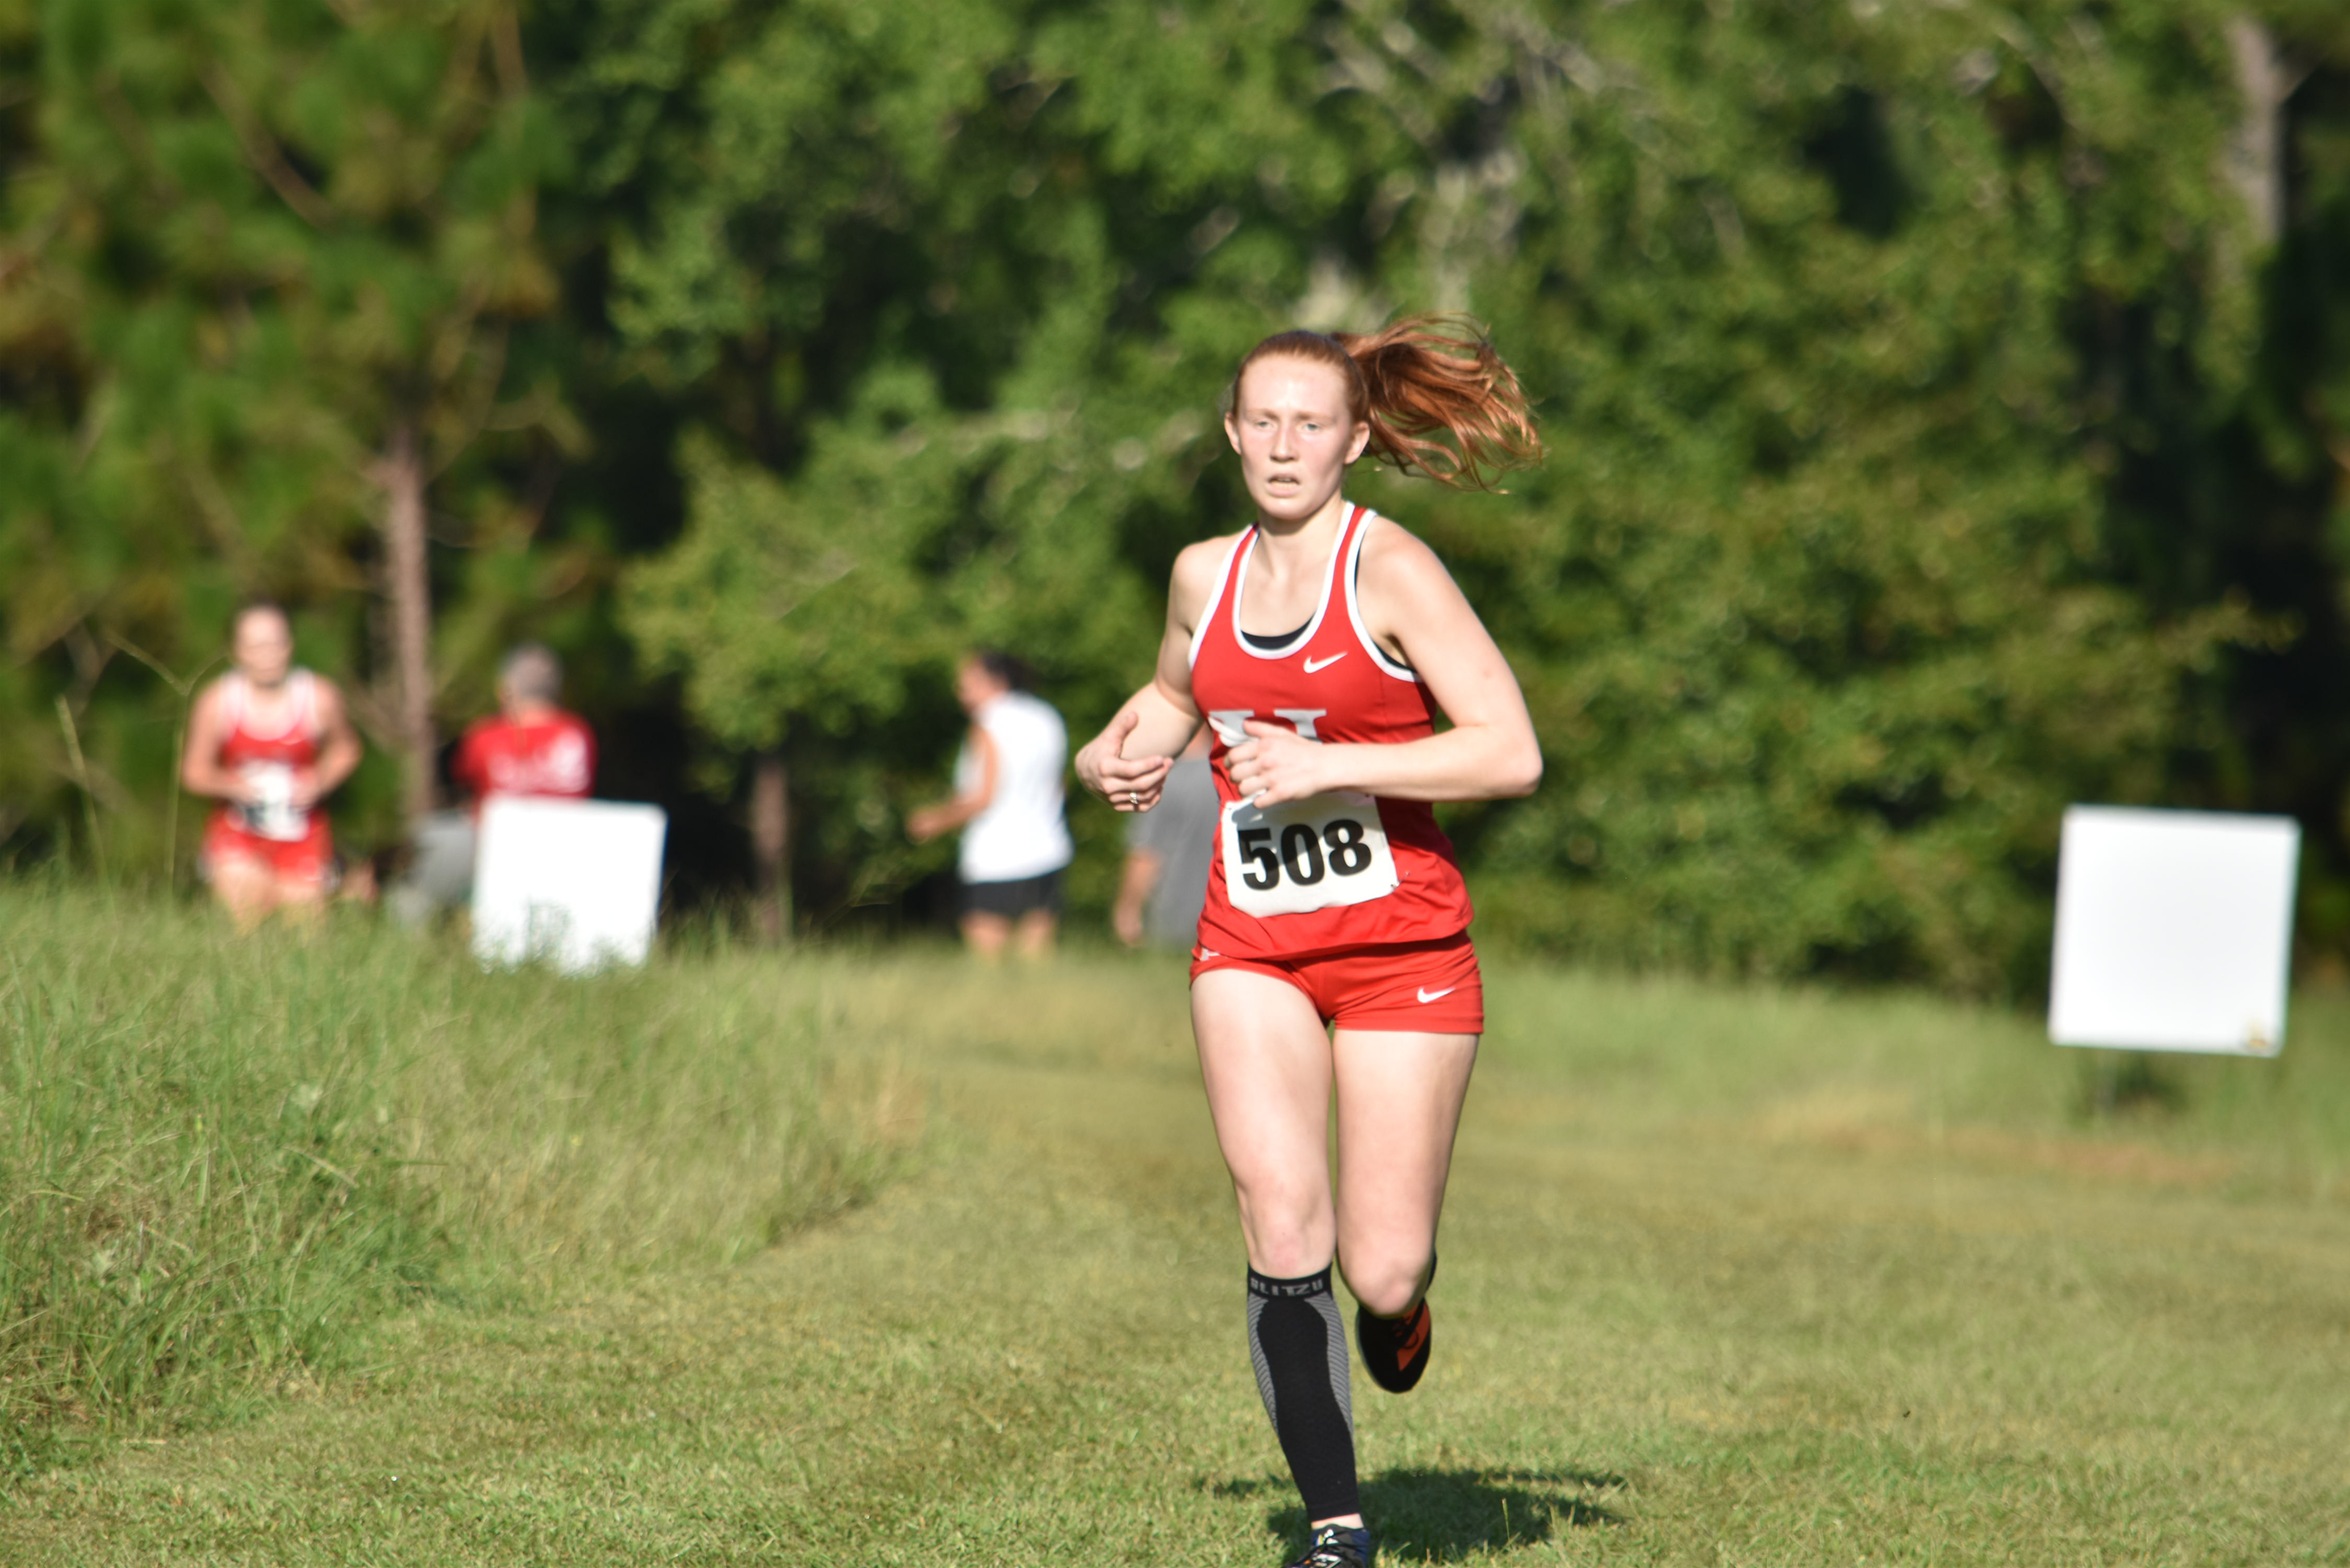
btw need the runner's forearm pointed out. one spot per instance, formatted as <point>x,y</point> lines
<point>1473,762</point>
<point>1165,725</point>
<point>211,781</point>
<point>957,811</point>
<point>337,763</point>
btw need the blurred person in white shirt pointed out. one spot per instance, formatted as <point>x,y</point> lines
<point>1008,804</point>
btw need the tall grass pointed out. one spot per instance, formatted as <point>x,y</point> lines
<point>1854,1067</point>
<point>218,1157</point>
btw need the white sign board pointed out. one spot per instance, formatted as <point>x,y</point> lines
<point>575,883</point>
<point>2174,930</point>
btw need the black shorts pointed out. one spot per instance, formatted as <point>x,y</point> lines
<point>1021,896</point>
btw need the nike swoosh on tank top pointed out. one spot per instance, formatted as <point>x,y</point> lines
<point>1342,870</point>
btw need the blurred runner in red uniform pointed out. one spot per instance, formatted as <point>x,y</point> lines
<point>270,742</point>
<point>531,746</point>
<point>1320,645</point>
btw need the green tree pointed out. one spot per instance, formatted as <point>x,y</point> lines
<point>884,352</point>
<point>1819,603</point>
<point>270,264</point>
<point>1831,625</point>
<point>1947,404</point>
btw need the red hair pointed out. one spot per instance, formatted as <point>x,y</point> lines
<point>1438,398</point>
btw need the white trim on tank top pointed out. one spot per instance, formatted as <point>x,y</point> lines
<point>1354,610</point>
<point>301,705</point>
<point>1199,633</point>
<point>1305,634</point>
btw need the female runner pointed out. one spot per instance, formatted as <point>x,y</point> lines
<point>270,742</point>
<point>1320,644</point>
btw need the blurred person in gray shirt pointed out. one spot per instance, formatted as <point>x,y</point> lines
<point>1168,851</point>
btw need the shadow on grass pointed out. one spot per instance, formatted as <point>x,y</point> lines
<point>1441,1516</point>
<point>2127,1083</point>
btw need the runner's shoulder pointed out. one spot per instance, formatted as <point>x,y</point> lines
<point>326,695</point>
<point>1194,577</point>
<point>212,695</point>
<point>1396,560</point>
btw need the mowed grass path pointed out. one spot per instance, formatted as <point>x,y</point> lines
<point>1730,1277</point>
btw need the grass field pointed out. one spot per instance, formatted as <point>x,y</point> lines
<point>1730,1276</point>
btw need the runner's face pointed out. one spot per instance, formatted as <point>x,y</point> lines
<point>263,647</point>
<point>1290,426</point>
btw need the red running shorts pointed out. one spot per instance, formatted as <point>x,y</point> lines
<point>1430,987</point>
<point>308,859</point>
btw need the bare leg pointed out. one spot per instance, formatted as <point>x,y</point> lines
<point>1399,1104</point>
<point>1037,930</point>
<point>985,935</point>
<point>246,889</point>
<point>1266,1061</point>
<point>301,902</point>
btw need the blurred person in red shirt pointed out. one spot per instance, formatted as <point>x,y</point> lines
<point>531,746</point>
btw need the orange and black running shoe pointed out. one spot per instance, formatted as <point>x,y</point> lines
<point>1395,1350</point>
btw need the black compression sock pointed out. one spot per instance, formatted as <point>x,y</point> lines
<point>1299,1348</point>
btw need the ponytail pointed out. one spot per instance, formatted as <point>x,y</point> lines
<point>1438,398</point>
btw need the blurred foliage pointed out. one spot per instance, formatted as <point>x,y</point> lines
<point>1939,435</point>
<point>242,244</point>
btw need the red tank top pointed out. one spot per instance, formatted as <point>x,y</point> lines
<point>1341,870</point>
<point>269,757</point>
<point>294,744</point>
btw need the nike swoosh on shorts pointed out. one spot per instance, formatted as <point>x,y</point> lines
<point>1427,995</point>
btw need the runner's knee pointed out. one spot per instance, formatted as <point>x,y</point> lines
<point>1288,1235</point>
<point>240,886</point>
<point>1385,1280</point>
<point>1288,1256</point>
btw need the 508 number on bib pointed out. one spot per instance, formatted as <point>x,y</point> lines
<point>1320,853</point>
<point>1301,856</point>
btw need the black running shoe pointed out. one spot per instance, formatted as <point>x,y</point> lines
<point>1395,1350</point>
<point>1338,1546</point>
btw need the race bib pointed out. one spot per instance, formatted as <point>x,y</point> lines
<point>1322,852</point>
<point>274,815</point>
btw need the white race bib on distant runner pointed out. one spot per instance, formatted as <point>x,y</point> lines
<point>273,814</point>
<point>1323,852</point>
